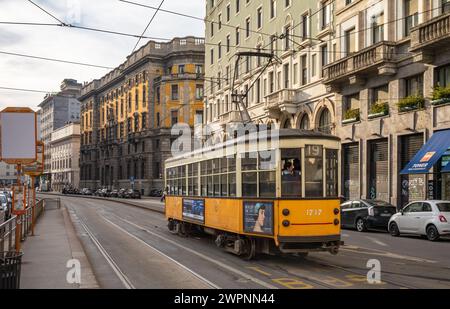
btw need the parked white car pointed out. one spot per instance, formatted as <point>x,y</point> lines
<point>427,218</point>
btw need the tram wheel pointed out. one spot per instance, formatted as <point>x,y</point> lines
<point>250,249</point>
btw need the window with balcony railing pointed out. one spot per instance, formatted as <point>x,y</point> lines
<point>411,15</point>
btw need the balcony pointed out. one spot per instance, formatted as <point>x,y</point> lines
<point>280,101</point>
<point>429,37</point>
<point>231,116</point>
<point>378,59</point>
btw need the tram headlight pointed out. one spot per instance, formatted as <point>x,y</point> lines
<point>286,223</point>
<point>286,212</point>
<point>336,211</point>
<point>336,222</point>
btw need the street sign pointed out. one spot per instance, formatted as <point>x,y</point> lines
<point>37,168</point>
<point>19,200</point>
<point>18,134</point>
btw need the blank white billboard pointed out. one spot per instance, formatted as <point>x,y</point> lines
<point>18,136</point>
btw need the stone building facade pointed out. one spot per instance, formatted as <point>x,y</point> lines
<point>128,114</point>
<point>65,154</point>
<point>56,111</point>
<point>370,69</point>
<point>290,93</point>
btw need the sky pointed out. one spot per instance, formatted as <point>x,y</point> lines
<point>78,45</point>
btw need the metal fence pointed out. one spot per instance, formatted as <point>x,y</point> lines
<point>8,228</point>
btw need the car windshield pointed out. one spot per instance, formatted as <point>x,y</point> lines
<point>444,207</point>
<point>377,203</point>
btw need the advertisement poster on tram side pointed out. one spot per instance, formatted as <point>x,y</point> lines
<point>258,217</point>
<point>194,210</point>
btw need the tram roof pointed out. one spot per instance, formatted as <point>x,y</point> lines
<point>282,134</point>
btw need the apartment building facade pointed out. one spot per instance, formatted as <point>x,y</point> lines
<point>366,73</point>
<point>65,157</point>
<point>56,111</point>
<point>127,115</point>
<point>289,93</point>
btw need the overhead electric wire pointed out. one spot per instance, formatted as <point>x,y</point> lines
<point>148,25</point>
<point>56,60</point>
<point>47,12</point>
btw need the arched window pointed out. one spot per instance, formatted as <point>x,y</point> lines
<point>287,124</point>
<point>325,121</point>
<point>304,123</point>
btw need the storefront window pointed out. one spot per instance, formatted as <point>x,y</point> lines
<point>314,171</point>
<point>445,189</point>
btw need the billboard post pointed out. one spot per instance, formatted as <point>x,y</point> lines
<point>18,139</point>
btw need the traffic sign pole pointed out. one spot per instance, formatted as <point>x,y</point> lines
<point>18,217</point>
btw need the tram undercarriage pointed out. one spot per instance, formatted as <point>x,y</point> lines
<point>249,247</point>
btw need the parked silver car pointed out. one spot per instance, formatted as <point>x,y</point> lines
<point>427,218</point>
<point>4,208</point>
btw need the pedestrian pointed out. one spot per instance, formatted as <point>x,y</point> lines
<point>163,197</point>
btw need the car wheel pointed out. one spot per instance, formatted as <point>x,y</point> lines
<point>432,233</point>
<point>393,229</point>
<point>360,225</point>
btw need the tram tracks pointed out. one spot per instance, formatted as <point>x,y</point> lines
<point>315,281</point>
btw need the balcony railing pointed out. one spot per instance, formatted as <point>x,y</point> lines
<point>280,97</point>
<point>231,116</point>
<point>431,34</point>
<point>377,58</point>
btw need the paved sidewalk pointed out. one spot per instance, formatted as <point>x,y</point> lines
<point>44,264</point>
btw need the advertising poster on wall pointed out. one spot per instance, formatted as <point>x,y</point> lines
<point>19,200</point>
<point>194,210</point>
<point>258,217</point>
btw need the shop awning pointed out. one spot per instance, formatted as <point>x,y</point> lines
<point>430,154</point>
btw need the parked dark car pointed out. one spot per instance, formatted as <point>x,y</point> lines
<point>86,191</point>
<point>156,193</point>
<point>133,194</point>
<point>364,215</point>
<point>114,193</point>
<point>105,193</point>
<point>121,193</point>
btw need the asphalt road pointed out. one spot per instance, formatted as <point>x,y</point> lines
<point>130,247</point>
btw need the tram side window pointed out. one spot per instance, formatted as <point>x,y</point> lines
<point>291,174</point>
<point>267,174</point>
<point>195,179</point>
<point>332,172</point>
<point>204,178</point>
<point>232,176</point>
<point>314,171</point>
<point>249,164</point>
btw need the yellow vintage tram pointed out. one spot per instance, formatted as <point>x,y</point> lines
<point>260,196</point>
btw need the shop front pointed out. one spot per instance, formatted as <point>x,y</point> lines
<point>431,167</point>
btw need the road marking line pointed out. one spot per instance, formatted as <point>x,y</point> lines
<point>259,271</point>
<point>164,255</point>
<point>122,277</point>
<point>386,254</point>
<point>377,241</point>
<point>225,266</point>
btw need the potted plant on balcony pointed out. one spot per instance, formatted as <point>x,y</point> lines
<point>441,95</point>
<point>379,109</point>
<point>351,115</point>
<point>411,103</point>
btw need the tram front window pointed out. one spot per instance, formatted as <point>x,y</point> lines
<point>314,171</point>
<point>291,175</point>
